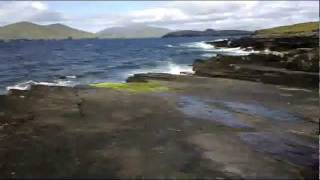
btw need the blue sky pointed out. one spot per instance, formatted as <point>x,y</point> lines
<point>198,15</point>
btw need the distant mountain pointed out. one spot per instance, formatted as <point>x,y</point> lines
<point>208,32</point>
<point>27,30</point>
<point>133,31</point>
<point>301,29</point>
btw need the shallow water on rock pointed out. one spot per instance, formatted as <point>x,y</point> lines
<point>282,146</point>
<point>259,110</point>
<point>198,108</point>
<point>224,112</point>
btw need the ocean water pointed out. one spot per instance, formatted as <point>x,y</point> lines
<point>76,62</point>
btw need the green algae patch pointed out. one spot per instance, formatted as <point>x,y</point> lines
<point>150,86</point>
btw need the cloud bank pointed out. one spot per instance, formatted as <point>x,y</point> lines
<point>245,15</point>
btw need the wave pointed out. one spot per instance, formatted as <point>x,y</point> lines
<point>234,51</point>
<point>203,46</point>
<point>219,40</point>
<point>198,45</point>
<point>268,51</point>
<point>27,84</point>
<point>71,77</point>
<point>168,67</point>
<point>209,55</point>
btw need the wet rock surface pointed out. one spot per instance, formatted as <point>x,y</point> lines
<point>292,61</point>
<point>274,44</point>
<point>200,128</point>
<point>298,68</point>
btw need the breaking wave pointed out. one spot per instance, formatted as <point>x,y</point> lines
<point>168,67</point>
<point>198,45</point>
<point>27,84</point>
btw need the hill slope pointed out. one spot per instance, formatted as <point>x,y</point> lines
<point>301,29</point>
<point>27,30</point>
<point>133,31</point>
<point>208,32</point>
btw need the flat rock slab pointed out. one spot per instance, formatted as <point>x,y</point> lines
<point>201,127</point>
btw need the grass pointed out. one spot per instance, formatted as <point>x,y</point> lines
<point>150,86</point>
<point>291,30</point>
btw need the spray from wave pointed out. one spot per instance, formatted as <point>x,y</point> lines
<point>198,45</point>
<point>169,45</point>
<point>168,67</point>
<point>203,46</point>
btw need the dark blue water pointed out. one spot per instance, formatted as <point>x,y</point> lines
<point>72,62</point>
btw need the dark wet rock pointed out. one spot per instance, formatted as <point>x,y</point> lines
<point>274,44</point>
<point>11,120</point>
<point>284,147</point>
<point>152,76</point>
<point>303,60</point>
<point>296,53</point>
<point>265,68</point>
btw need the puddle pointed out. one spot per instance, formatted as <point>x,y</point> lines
<point>295,89</point>
<point>197,108</point>
<point>282,146</point>
<point>224,111</point>
<point>258,110</point>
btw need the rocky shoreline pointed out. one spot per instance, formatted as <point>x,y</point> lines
<point>253,116</point>
<point>287,61</point>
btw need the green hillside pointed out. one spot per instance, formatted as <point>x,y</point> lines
<point>301,29</point>
<point>27,30</point>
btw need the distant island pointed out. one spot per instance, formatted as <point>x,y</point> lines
<point>133,31</point>
<point>208,32</point>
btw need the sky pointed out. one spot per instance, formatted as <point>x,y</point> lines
<point>176,15</point>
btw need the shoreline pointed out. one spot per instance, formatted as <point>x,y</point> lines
<point>233,118</point>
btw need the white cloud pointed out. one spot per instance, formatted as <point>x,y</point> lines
<point>34,11</point>
<point>158,15</point>
<point>246,15</point>
<point>39,5</point>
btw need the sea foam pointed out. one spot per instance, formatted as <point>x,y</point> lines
<point>26,85</point>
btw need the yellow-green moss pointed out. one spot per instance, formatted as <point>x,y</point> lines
<point>151,86</point>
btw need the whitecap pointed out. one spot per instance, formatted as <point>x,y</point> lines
<point>71,77</point>
<point>208,55</point>
<point>219,40</point>
<point>27,84</point>
<point>168,67</point>
<point>237,51</point>
<point>198,45</point>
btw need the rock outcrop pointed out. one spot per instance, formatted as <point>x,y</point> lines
<point>273,44</point>
<point>258,67</point>
<point>208,32</point>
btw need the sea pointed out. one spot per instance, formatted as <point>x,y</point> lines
<point>79,62</point>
